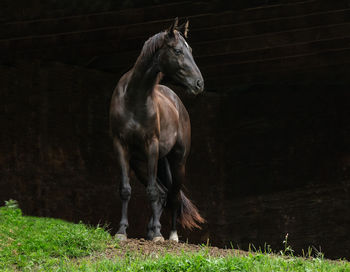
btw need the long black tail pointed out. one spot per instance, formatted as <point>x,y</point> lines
<point>189,216</point>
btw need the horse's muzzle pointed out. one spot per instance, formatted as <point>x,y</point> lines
<point>199,87</point>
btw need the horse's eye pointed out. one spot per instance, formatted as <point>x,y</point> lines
<point>177,51</point>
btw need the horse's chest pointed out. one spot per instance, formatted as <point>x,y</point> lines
<point>132,126</point>
<point>133,131</point>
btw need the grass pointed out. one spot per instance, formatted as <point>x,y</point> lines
<point>201,262</point>
<point>44,244</point>
<point>27,241</point>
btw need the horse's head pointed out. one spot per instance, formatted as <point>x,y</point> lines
<point>176,60</point>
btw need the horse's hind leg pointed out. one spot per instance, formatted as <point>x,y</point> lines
<point>125,188</point>
<point>164,173</point>
<point>177,166</point>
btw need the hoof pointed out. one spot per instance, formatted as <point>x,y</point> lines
<point>120,237</point>
<point>173,236</point>
<point>158,239</point>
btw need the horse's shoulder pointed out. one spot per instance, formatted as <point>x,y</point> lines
<point>166,92</point>
<point>164,89</point>
<point>170,98</point>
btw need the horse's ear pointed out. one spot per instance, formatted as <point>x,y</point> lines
<point>184,28</point>
<point>172,28</point>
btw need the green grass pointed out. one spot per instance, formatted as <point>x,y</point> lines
<point>44,244</point>
<point>202,262</point>
<point>27,241</point>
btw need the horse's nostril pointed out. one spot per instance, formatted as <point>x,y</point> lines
<point>199,84</point>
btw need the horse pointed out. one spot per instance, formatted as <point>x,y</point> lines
<point>151,133</point>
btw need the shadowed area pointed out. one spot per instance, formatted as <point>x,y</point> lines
<point>270,134</point>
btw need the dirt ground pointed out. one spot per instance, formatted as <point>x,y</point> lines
<point>149,248</point>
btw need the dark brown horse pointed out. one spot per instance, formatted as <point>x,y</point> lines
<point>151,130</point>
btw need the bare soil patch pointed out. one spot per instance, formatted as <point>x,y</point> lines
<point>147,248</point>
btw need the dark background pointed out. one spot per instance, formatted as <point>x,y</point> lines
<point>271,135</point>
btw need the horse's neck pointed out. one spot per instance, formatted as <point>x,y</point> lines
<point>143,78</point>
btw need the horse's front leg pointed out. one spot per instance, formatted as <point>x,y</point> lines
<point>161,204</point>
<point>124,189</point>
<point>152,189</point>
<point>150,234</point>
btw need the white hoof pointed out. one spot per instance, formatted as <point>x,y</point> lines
<point>121,237</point>
<point>158,239</point>
<point>173,236</point>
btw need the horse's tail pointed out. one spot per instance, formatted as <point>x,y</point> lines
<point>189,215</point>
